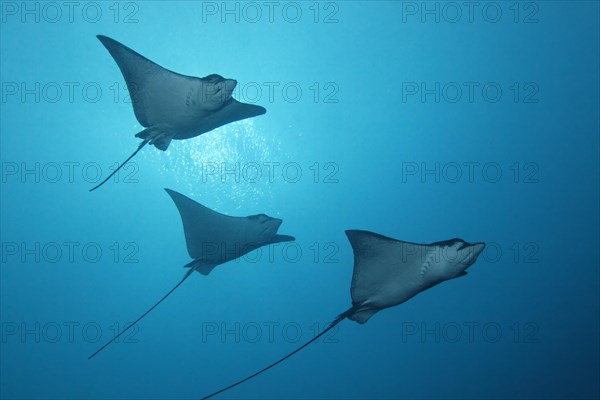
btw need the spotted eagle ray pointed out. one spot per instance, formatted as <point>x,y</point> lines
<point>388,272</point>
<point>213,238</point>
<point>174,106</point>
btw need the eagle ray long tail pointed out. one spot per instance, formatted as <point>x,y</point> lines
<point>332,325</point>
<point>121,166</point>
<point>187,274</point>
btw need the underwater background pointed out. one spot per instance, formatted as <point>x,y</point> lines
<point>421,121</point>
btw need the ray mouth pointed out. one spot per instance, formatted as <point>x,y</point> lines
<point>231,83</point>
<point>271,226</point>
<point>472,251</point>
<point>477,248</point>
<point>277,223</point>
<point>472,246</point>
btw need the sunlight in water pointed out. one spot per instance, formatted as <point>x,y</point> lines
<point>229,163</point>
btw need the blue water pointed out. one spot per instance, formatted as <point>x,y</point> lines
<point>371,124</point>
